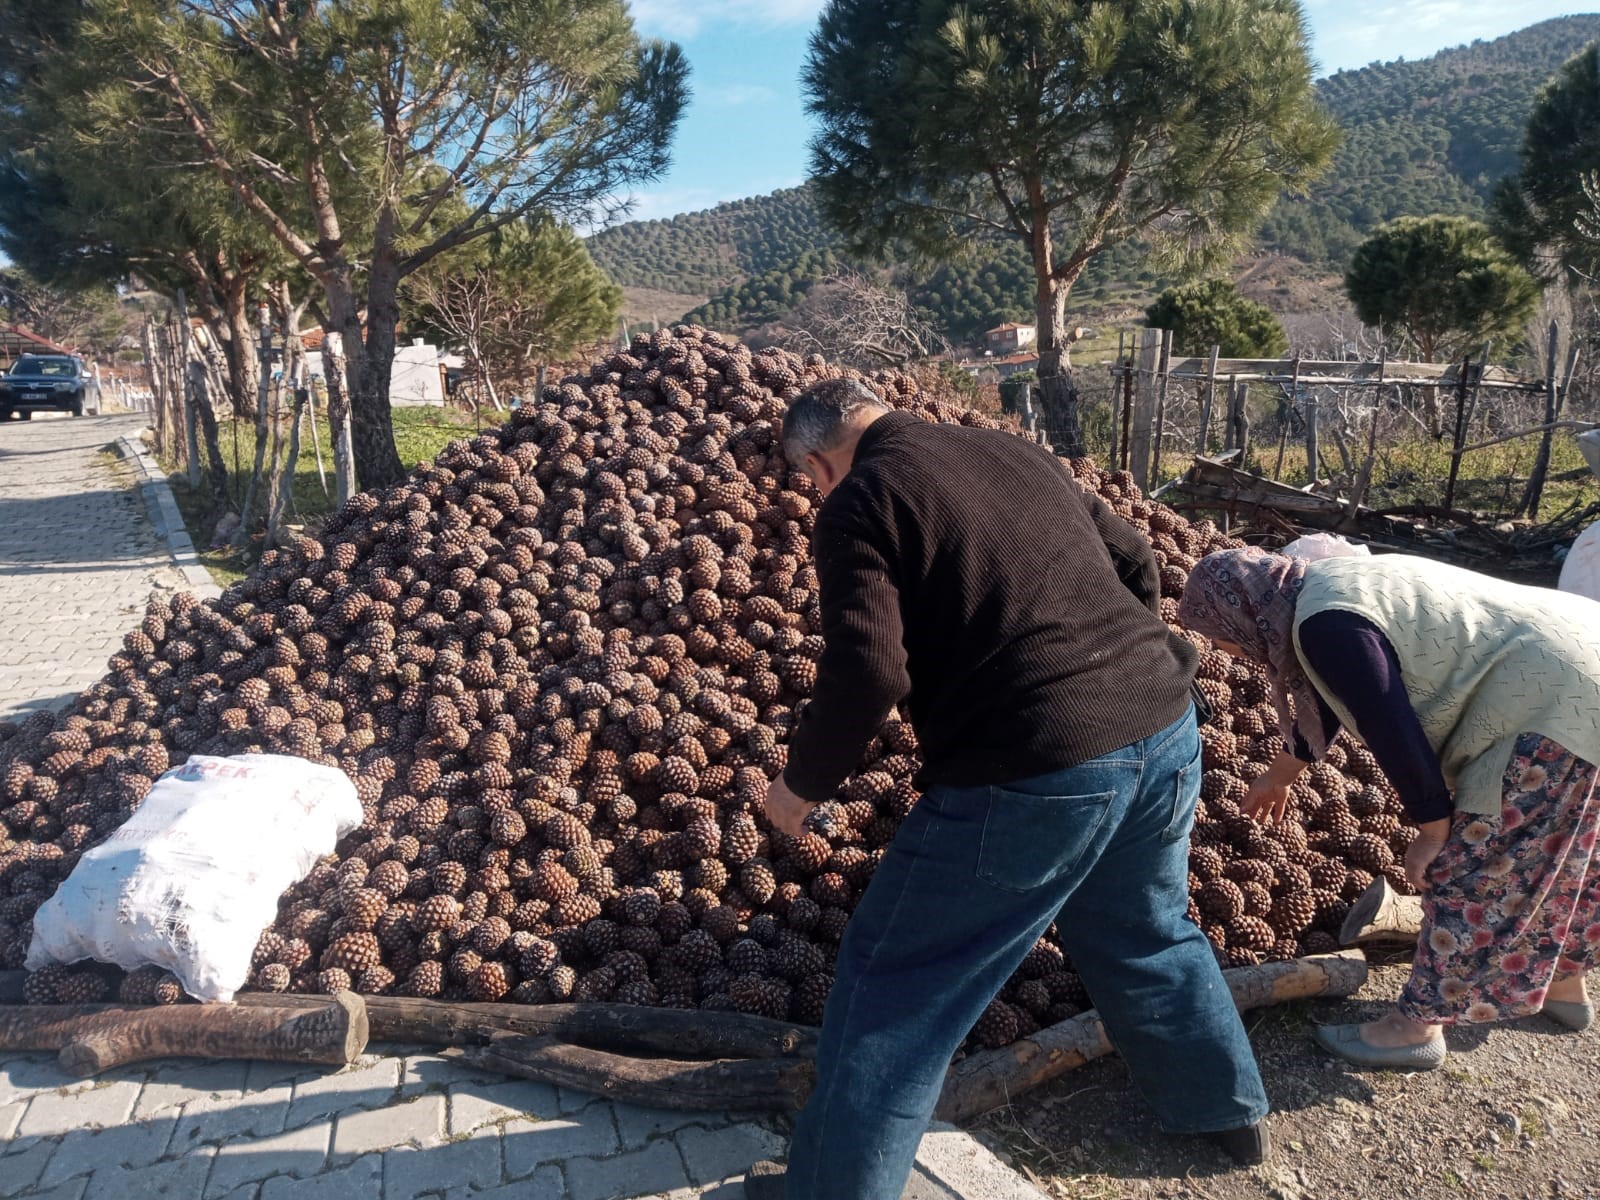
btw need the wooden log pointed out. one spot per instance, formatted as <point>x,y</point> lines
<point>94,1038</point>
<point>1382,915</point>
<point>741,1084</point>
<point>620,1028</point>
<point>989,1079</point>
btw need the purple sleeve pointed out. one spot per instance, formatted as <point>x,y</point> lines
<point>1359,667</point>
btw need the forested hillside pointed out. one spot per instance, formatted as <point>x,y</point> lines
<point>706,251</point>
<point>1420,137</point>
<point>1424,137</point>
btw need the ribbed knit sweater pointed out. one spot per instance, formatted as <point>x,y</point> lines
<point>967,578</point>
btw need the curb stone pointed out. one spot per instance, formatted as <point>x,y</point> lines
<point>168,521</point>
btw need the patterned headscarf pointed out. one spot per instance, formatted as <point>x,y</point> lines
<point>1248,596</point>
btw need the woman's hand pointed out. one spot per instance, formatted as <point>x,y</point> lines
<point>1430,839</point>
<point>785,810</point>
<point>1268,797</point>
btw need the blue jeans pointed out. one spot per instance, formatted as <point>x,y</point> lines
<point>971,881</point>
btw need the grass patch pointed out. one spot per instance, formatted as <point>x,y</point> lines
<point>1484,1161</point>
<point>419,434</point>
<point>1532,1122</point>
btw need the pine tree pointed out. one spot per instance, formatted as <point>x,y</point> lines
<point>1070,126</point>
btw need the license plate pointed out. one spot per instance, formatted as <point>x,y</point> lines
<point>33,395</point>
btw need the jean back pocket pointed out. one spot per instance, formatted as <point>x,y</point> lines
<point>1030,841</point>
<point>1186,793</point>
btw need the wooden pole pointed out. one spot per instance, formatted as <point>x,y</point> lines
<point>285,487</point>
<point>147,339</point>
<point>1203,436</point>
<point>1313,416</point>
<point>1127,408</point>
<point>191,415</point>
<point>333,371</point>
<point>1142,418</point>
<point>1114,456</point>
<point>1227,419</point>
<point>241,539</point>
<point>310,385</point>
<point>1241,416</point>
<point>1358,494</point>
<point>1161,408</point>
<point>1460,438</point>
<point>618,1028</point>
<point>1533,494</point>
<point>989,1079</point>
<point>745,1084</point>
<point>95,1038</point>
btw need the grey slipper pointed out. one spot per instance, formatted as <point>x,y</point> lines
<point>1344,1041</point>
<point>1571,1013</point>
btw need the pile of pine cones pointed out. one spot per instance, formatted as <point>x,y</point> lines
<point>560,663</point>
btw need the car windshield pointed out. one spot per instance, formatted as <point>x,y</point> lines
<point>52,368</point>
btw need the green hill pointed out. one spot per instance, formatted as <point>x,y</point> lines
<point>1423,137</point>
<point>1420,137</point>
<point>704,252</point>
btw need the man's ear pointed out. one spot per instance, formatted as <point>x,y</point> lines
<point>821,472</point>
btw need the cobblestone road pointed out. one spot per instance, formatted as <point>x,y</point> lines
<point>78,557</point>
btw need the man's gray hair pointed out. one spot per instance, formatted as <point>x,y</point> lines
<point>817,419</point>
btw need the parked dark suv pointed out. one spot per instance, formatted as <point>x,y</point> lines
<point>42,381</point>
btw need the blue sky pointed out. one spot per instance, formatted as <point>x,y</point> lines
<point>745,131</point>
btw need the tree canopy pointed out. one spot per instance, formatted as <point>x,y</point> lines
<point>1445,283</point>
<point>1538,209</point>
<point>1070,127</point>
<point>366,138</point>
<point>526,294</point>
<point>1210,312</point>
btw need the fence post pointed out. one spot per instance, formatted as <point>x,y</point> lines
<point>1313,417</point>
<point>1229,425</point>
<point>1142,417</point>
<point>1460,438</point>
<point>1555,397</point>
<point>1127,409</point>
<point>1202,439</point>
<point>1161,406</point>
<point>191,417</point>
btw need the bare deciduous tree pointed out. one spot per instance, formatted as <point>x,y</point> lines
<point>853,320</point>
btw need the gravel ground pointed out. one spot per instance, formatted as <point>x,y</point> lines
<point>1514,1112</point>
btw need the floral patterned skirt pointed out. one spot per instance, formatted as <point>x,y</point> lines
<point>1514,900</point>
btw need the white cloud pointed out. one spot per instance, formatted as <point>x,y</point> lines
<point>732,95</point>
<point>684,19</point>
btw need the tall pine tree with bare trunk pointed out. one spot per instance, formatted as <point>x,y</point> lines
<point>369,137</point>
<point>1069,125</point>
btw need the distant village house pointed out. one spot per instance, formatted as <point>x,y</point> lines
<point>1009,338</point>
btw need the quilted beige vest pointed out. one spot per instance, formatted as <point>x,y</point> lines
<point>1483,661</point>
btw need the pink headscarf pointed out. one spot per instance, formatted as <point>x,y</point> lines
<point>1248,596</point>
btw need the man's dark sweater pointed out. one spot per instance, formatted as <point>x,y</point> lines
<point>965,576</point>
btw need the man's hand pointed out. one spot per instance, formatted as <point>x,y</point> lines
<point>1430,839</point>
<point>1268,797</point>
<point>785,810</point>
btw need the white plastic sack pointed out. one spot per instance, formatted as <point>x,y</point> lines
<point>192,878</point>
<point>1580,573</point>
<point>1323,545</point>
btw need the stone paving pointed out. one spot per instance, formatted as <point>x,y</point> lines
<point>78,559</point>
